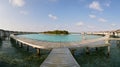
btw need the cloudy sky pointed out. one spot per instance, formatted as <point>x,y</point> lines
<point>71,15</point>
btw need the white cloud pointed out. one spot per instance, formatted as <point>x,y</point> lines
<point>90,27</point>
<point>95,6</point>
<point>107,4</point>
<point>24,12</point>
<point>52,17</point>
<point>80,23</point>
<point>92,16</point>
<point>17,3</point>
<point>113,25</point>
<point>102,20</point>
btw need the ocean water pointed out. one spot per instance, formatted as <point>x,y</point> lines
<point>13,56</point>
<point>58,38</point>
<point>99,58</point>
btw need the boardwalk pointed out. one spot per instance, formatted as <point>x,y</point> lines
<point>47,45</point>
<point>60,57</point>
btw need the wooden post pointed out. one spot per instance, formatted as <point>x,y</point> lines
<point>38,51</point>
<point>8,38</point>
<point>87,50</point>
<point>20,45</point>
<point>73,51</point>
<point>27,48</point>
<point>16,42</point>
<point>118,43</point>
<point>107,42</point>
<point>96,48</point>
<point>108,53</point>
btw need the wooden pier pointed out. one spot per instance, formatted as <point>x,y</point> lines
<point>60,54</point>
<point>60,57</point>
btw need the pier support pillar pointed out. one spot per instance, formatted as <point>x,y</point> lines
<point>73,51</point>
<point>87,50</point>
<point>8,37</point>
<point>20,45</point>
<point>108,53</point>
<point>96,48</point>
<point>118,42</point>
<point>27,48</point>
<point>107,42</point>
<point>38,51</point>
<point>16,42</point>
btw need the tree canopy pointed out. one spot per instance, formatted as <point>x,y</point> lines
<point>56,32</point>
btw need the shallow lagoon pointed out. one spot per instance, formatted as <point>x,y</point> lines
<point>59,38</point>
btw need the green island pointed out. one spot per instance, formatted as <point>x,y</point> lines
<point>56,32</point>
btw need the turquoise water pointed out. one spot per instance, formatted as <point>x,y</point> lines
<point>59,38</point>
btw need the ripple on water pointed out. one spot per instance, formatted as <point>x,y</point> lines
<point>99,58</point>
<point>13,56</point>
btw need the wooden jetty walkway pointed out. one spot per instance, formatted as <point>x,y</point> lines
<point>48,45</point>
<point>60,57</point>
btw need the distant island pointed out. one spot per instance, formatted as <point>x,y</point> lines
<point>56,32</point>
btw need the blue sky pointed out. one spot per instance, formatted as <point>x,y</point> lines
<point>71,15</point>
